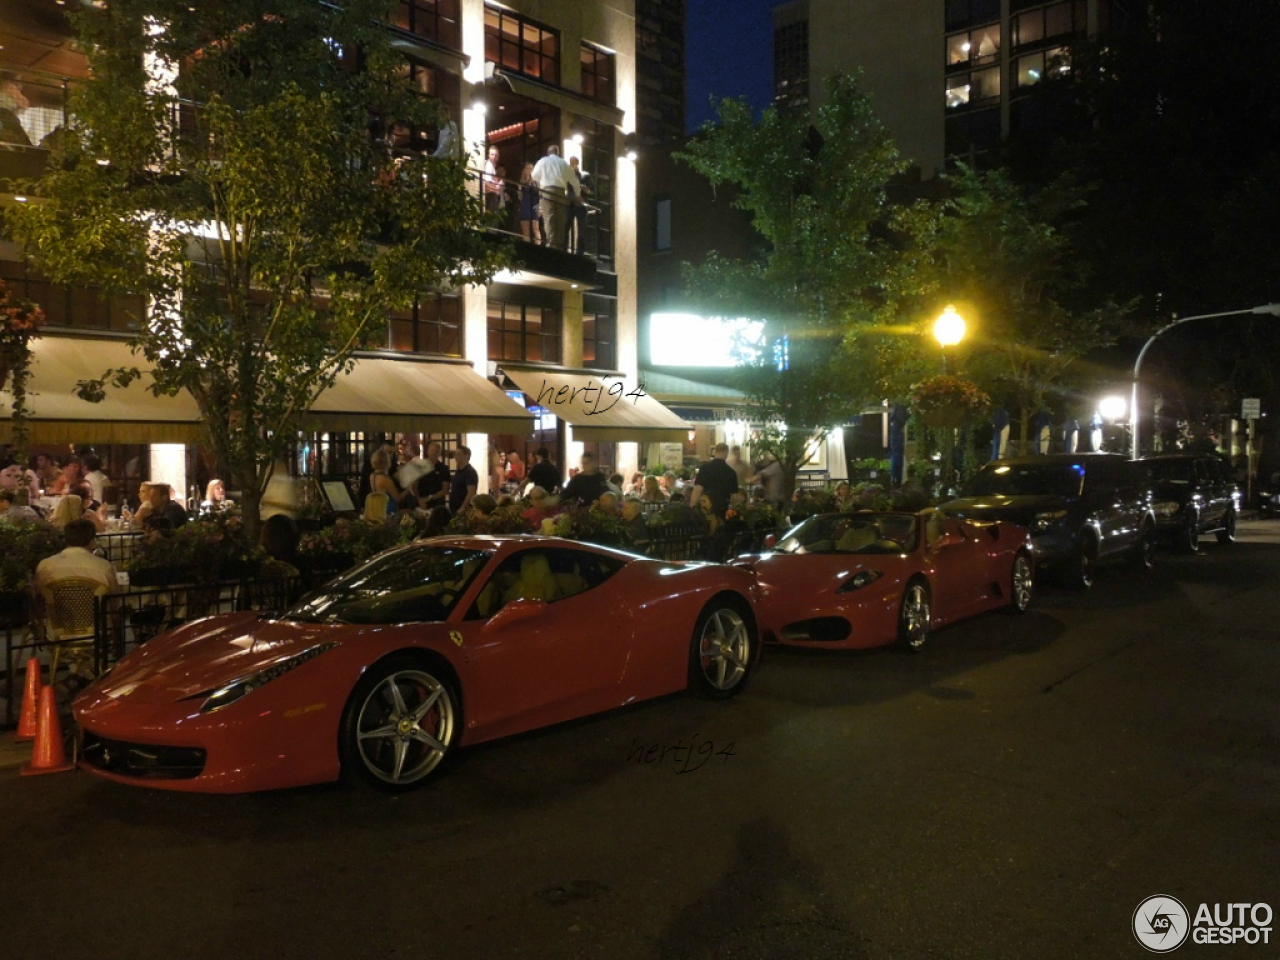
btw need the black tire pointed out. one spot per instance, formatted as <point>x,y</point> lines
<point>1021,583</point>
<point>914,617</point>
<point>1228,532</point>
<point>400,725</point>
<point>1189,539</point>
<point>1083,567</point>
<point>1143,556</point>
<point>722,650</point>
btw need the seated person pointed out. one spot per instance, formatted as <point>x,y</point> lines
<point>857,536</point>
<point>77,559</point>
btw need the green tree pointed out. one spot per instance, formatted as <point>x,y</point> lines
<point>998,252</point>
<point>817,197</point>
<point>228,162</point>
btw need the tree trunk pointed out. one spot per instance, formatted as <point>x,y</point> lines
<point>250,504</point>
<point>1024,425</point>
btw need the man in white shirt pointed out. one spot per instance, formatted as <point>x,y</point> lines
<point>552,175</point>
<point>77,560</point>
<point>492,182</point>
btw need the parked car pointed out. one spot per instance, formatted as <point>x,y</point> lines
<point>1081,509</point>
<point>385,672</point>
<point>1194,494</point>
<point>852,580</point>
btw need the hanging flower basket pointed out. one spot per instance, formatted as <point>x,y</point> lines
<point>20,322</point>
<point>944,401</point>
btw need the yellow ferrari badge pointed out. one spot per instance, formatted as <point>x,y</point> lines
<point>456,636</point>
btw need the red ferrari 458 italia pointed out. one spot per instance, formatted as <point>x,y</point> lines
<point>851,580</point>
<point>383,673</point>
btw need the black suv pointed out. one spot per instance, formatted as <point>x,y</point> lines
<point>1194,494</point>
<point>1080,508</point>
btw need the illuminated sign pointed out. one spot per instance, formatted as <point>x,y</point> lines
<point>688,340</point>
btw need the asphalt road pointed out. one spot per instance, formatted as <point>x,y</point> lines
<point>1014,791</point>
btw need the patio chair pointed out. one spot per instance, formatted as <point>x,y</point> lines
<point>70,624</point>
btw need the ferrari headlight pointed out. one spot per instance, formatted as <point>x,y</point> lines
<point>860,580</point>
<point>226,695</point>
<point>1047,519</point>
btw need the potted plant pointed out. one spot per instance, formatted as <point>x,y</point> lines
<point>20,322</point>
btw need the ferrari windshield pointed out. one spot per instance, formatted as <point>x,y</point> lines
<point>419,585</point>
<point>1021,480</point>
<point>852,533</point>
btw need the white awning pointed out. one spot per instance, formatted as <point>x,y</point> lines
<point>602,407</point>
<point>411,395</point>
<point>380,393</point>
<point>126,415</point>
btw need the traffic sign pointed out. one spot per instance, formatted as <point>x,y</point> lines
<point>1250,409</point>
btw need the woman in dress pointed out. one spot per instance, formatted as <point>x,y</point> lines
<point>380,481</point>
<point>529,226</point>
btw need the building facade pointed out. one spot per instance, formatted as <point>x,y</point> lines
<point>949,78</point>
<point>518,77</point>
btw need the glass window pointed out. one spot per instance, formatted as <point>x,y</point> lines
<point>597,74</point>
<point>523,332</point>
<point>521,45</point>
<point>433,19</point>
<point>662,224</point>
<point>598,341</point>
<point>985,84</point>
<point>1028,70</point>
<point>978,45</point>
<point>542,574</point>
<point>958,47</point>
<point>957,91</point>
<point>1058,20</point>
<point>433,324</point>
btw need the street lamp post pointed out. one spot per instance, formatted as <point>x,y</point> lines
<point>948,329</point>
<point>1272,309</point>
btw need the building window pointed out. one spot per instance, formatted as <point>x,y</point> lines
<point>599,162</point>
<point>432,325</point>
<point>520,331</point>
<point>791,65</point>
<point>1054,21</point>
<point>435,20</point>
<point>971,134</point>
<point>520,45</point>
<point>597,74</point>
<point>966,89</point>
<point>74,306</point>
<point>962,13</point>
<point>974,46</point>
<point>662,224</point>
<point>1031,68</point>
<point>598,341</point>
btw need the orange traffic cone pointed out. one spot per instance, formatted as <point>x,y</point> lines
<point>48,756</point>
<point>30,697</point>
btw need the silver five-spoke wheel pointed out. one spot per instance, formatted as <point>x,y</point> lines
<point>722,651</point>
<point>401,724</point>
<point>914,618</point>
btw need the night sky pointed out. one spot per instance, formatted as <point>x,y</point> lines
<point>728,53</point>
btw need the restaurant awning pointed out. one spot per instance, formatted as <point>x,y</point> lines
<point>129,415</point>
<point>380,393</point>
<point>410,395</point>
<point>602,407</point>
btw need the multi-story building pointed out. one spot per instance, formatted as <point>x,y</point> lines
<point>660,71</point>
<point>518,76</point>
<point>949,78</point>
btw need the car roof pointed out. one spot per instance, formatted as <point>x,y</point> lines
<point>1056,458</point>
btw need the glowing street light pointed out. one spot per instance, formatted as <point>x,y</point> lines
<point>948,329</point>
<point>1113,408</point>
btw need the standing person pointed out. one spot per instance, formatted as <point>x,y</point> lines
<point>717,480</point>
<point>413,469</point>
<point>516,469</point>
<point>465,481</point>
<point>381,480</point>
<point>433,488</point>
<point>448,141</point>
<point>579,182</point>
<point>743,470</point>
<point>551,174</point>
<point>492,182</point>
<point>770,476</point>
<point>497,471</point>
<point>95,477</point>
<point>588,484</point>
<point>544,473</point>
<point>530,228</point>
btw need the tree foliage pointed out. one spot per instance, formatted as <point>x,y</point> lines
<point>1004,257</point>
<point>816,196</point>
<point>225,162</point>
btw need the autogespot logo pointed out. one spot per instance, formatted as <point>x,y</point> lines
<point>1161,923</point>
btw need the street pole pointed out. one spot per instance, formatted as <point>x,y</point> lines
<point>1270,308</point>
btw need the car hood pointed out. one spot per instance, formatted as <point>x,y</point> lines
<point>1014,509</point>
<point>208,654</point>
